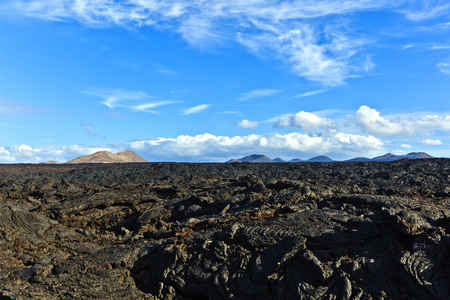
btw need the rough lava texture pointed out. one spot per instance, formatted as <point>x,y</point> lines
<point>226,231</point>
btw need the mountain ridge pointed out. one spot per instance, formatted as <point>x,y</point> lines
<point>259,158</point>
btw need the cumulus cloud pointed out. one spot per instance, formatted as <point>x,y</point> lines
<point>27,154</point>
<point>406,146</point>
<point>303,34</point>
<point>248,124</point>
<point>258,93</point>
<point>431,142</point>
<point>196,109</point>
<point>303,120</point>
<point>370,121</point>
<point>207,147</point>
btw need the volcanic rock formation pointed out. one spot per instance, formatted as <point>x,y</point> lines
<point>340,230</point>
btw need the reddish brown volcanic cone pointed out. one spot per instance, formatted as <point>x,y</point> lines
<point>108,157</point>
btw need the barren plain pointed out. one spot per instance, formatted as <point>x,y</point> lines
<point>226,231</point>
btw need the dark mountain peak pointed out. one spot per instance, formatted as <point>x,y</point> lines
<point>255,158</point>
<point>320,158</point>
<point>260,158</point>
<point>415,155</point>
<point>296,160</point>
<point>360,159</point>
<point>392,157</point>
<point>279,160</point>
<point>387,157</point>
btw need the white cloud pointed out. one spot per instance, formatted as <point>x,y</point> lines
<point>208,147</point>
<point>426,46</point>
<point>425,10</point>
<point>406,146</point>
<point>431,142</point>
<point>328,61</point>
<point>311,93</point>
<point>27,154</point>
<point>296,32</point>
<point>248,124</point>
<point>436,28</point>
<point>196,109</point>
<point>303,120</point>
<point>113,98</point>
<point>258,93</point>
<point>147,107</point>
<point>444,67</point>
<point>370,121</point>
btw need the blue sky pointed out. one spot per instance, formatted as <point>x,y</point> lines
<point>212,80</point>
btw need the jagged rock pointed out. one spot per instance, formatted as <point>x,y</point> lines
<point>340,230</point>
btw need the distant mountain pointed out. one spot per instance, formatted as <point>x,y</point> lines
<point>321,158</point>
<point>360,159</point>
<point>279,160</point>
<point>392,157</point>
<point>107,157</point>
<point>387,157</point>
<point>254,158</point>
<point>258,158</point>
<point>296,160</point>
<point>52,162</point>
<point>416,155</point>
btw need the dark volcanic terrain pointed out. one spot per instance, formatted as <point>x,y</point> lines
<point>373,230</point>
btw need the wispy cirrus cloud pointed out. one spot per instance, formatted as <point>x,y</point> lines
<point>258,93</point>
<point>196,109</point>
<point>435,28</point>
<point>428,46</point>
<point>114,97</point>
<point>7,108</point>
<point>425,10</point>
<point>148,107</point>
<point>127,99</point>
<point>444,67</point>
<point>311,93</point>
<point>305,35</point>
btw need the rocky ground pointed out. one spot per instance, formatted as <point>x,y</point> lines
<point>220,231</point>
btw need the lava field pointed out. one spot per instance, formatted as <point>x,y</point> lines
<point>341,230</point>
